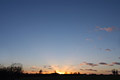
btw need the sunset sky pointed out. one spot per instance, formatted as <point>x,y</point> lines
<point>65,35</point>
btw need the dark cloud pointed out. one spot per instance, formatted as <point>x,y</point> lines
<point>103,63</point>
<point>89,64</point>
<point>82,69</point>
<point>91,70</point>
<point>88,70</point>
<point>108,50</point>
<point>116,63</point>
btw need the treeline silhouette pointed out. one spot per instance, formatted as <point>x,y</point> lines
<point>15,72</point>
<point>11,72</point>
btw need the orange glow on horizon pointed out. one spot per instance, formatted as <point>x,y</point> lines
<point>62,72</point>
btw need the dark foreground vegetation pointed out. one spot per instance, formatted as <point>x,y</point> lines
<point>15,72</point>
<point>69,77</point>
<point>11,72</point>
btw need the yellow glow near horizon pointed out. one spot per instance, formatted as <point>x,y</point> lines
<point>59,72</point>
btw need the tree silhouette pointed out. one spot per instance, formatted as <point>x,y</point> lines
<point>115,72</point>
<point>78,73</point>
<point>16,68</point>
<point>40,72</point>
<point>55,72</point>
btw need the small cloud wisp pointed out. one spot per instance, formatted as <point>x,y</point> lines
<point>108,29</point>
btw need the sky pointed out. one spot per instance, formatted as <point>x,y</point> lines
<point>65,35</point>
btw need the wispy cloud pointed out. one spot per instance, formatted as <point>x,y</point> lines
<point>88,39</point>
<point>47,66</point>
<point>108,29</point>
<point>100,48</point>
<point>108,50</point>
<point>89,64</point>
<point>100,38</point>
<point>50,68</point>
<point>33,71</point>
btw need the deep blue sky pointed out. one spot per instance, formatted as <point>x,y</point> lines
<point>59,32</point>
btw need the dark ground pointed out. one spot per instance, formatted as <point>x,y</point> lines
<point>59,77</point>
<point>69,77</point>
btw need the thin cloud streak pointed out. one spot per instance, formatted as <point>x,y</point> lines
<point>91,70</point>
<point>103,63</point>
<point>34,67</point>
<point>89,64</point>
<point>108,50</point>
<point>88,70</point>
<point>88,39</point>
<point>107,29</point>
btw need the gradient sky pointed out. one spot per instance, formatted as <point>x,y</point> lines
<point>81,35</point>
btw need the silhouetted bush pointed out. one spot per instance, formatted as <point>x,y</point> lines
<point>11,72</point>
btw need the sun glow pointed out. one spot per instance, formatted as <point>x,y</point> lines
<point>59,72</point>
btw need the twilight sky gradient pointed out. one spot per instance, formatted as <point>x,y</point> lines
<point>64,35</point>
